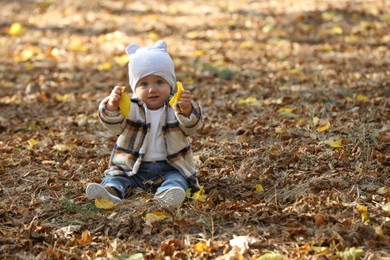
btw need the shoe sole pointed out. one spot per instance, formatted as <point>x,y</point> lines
<point>171,198</point>
<point>95,190</point>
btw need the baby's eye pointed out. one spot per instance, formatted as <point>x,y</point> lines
<point>144,84</point>
<point>160,82</point>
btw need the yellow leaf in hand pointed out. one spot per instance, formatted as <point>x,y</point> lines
<point>124,103</point>
<point>103,203</point>
<point>177,95</point>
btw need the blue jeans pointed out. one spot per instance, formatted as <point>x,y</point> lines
<point>153,176</point>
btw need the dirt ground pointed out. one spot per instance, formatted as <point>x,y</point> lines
<point>293,153</point>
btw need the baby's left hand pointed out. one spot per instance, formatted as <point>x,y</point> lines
<point>184,103</point>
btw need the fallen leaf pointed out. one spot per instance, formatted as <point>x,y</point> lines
<point>16,29</point>
<point>32,143</point>
<point>86,239</point>
<point>200,195</point>
<point>201,247</point>
<point>280,130</point>
<point>103,203</point>
<point>316,121</point>
<point>104,66</point>
<point>351,253</point>
<point>323,127</point>
<point>198,53</point>
<point>249,100</point>
<point>363,212</point>
<point>285,109</point>
<point>361,98</point>
<point>150,218</point>
<point>333,143</point>
<point>304,249</point>
<point>62,147</point>
<point>258,187</point>
<point>137,256</point>
<point>271,256</point>
<point>358,169</point>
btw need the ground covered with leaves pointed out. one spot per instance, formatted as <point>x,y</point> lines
<point>293,154</point>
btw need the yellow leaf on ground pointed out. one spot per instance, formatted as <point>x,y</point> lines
<point>62,98</point>
<point>150,218</point>
<point>201,247</point>
<point>177,95</point>
<point>198,53</point>
<point>280,130</point>
<point>124,103</point>
<point>249,100</point>
<point>270,256</point>
<point>363,212</point>
<point>103,203</point>
<point>16,29</point>
<point>285,109</point>
<point>335,30</point>
<point>104,66</point>
<point>86,239</point>
<point>32,143</point>
<point>77,46</point>
<point>122,60</point>
<point>358,169</point>
<point>316,121</point>
<point>323,127</point>
<point>351,253</point>
<point>200,195</point>
<point>62,147</point>
<point>361,98</point>
<point>258,187</point>
<point>333,143</point>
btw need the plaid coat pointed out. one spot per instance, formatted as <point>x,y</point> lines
<point>131,145</point>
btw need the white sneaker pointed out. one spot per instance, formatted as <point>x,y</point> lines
<point>171,198</point>
<point>95,190</point>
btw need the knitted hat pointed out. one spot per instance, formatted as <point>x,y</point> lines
<point>146,61</point>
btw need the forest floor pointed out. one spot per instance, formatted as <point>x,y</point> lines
<point>294,152</point>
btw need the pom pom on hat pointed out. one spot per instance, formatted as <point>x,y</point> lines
<point>153,60</point>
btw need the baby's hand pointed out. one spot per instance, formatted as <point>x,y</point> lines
<point>184,103</point>
<point>113,101</point>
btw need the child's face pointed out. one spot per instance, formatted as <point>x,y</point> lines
<point>153,90</point>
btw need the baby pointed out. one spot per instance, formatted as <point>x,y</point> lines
<point>152,151</point>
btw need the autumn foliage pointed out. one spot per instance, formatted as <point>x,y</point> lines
<point>293,155</point>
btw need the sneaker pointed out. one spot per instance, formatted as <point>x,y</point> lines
<point>95,190</point>
<point>171,198</point>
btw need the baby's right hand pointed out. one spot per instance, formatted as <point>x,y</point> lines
<point>113,101</point>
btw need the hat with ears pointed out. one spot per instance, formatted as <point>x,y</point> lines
<point>155,60</point>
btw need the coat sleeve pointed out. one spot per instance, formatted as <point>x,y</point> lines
<point>114,121</point>
<point>193,122</point>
